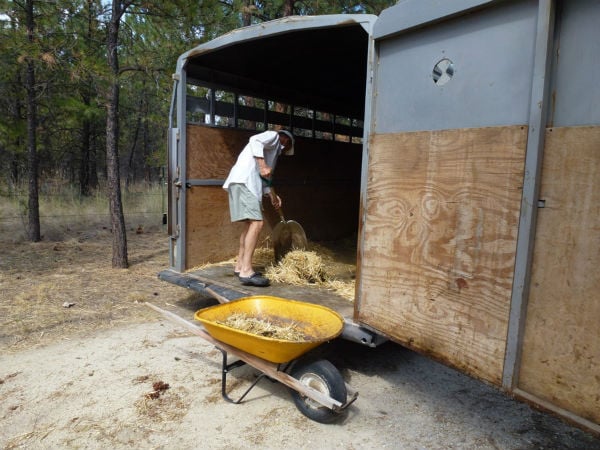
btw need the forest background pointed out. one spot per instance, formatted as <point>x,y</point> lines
<point>85,88</point>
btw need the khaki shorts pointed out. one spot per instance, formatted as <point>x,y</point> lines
<point>243,204</point>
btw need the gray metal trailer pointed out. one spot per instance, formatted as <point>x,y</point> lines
<point>457,142</point>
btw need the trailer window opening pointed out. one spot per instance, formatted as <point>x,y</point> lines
<point>224,108</point>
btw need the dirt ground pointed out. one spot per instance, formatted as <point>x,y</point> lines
<point>85,365</point>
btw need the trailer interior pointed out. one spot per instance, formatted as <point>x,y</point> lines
<point>246,84</point>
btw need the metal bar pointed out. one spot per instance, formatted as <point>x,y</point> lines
<point>213,101</point>
<point>545,404</point>
<point>368,128</point>
<point>531,187</point>
<point>177,241</point>
<point>236,99</point>
<point>225,369</point>
<point>208,182</point>
<point>266,114</point>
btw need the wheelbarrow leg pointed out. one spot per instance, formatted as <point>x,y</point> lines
<point>225,368</point>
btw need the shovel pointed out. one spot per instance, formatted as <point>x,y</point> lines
<point>287,234</point>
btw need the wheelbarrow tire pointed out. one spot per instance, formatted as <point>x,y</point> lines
<point>325,378</point>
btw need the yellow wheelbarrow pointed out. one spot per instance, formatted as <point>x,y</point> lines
<point>318,389</point>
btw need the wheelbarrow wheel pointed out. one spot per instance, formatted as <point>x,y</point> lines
<point>322,376</point>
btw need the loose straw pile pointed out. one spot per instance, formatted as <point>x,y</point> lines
<point>263,327</point>
<point>301,267</point>
<point>298,267</point>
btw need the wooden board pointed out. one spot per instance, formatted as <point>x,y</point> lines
<point>211,237</point>
<point>211,152</point>
<point>561,347</point>
<point>439,242</point>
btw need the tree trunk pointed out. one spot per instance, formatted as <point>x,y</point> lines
<point>33,230</point>
<point>288,8</point>
<point>84,168</point>
<point>130,176</point>
<point>119,254</point>
<point>93,158</point>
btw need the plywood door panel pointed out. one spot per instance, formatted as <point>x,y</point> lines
<point>561,347</point>
<point>439,242</point>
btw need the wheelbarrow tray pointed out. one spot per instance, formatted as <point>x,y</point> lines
<point>317,323</point>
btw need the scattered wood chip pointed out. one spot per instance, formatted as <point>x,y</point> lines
<point>159,387</point>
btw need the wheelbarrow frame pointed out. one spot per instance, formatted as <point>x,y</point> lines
<point>274,371</point>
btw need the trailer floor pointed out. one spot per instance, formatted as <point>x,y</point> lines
<point>221,280</point>
<point>339,260</point>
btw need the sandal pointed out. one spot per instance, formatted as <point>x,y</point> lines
<point>237,274</point>
<point>255,280</point>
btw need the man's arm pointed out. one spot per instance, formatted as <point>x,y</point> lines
<point>263,168</point>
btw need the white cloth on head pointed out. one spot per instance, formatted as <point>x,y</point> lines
<point>245,170</point>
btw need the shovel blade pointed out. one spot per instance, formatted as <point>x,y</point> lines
<point>287,236</point>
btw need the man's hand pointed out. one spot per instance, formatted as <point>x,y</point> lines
<point>276,201</point>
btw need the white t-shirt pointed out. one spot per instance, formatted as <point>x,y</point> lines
<point>245,171</point>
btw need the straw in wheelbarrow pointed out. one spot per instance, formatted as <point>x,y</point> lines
<point>317,323</point>
<point>287,234</point>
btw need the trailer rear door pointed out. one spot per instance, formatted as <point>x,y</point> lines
<point>444,177</point>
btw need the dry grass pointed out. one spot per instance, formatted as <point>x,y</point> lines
<point>299,267</point>
<point>264,327</point>
<point>55,290</point>
<point>170,405</point>
<point>64,285</point>
<point>317,266</point>
<point>63,211</point>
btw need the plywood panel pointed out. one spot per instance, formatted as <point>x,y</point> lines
<point>212,151</point>
<point>211,237</point>
<point>561,347</point>
<point>439,242</point>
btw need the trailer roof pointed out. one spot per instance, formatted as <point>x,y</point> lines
<point>318,62</point>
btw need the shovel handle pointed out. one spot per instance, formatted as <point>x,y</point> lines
<point>273,195</point>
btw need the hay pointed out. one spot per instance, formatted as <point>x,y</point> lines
<point>261,258</point>
<point>298,267</point>
<point>315,266</point>
<point>264,327</point>
<point>169,406</point>
<point>301,267</point>
<point>345,289</point>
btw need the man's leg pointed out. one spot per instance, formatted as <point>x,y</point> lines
<point>240,257</point>
<point>248,241</point>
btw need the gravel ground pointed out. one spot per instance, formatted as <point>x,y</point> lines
<point>100,391</point>
<point>94,375</point>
